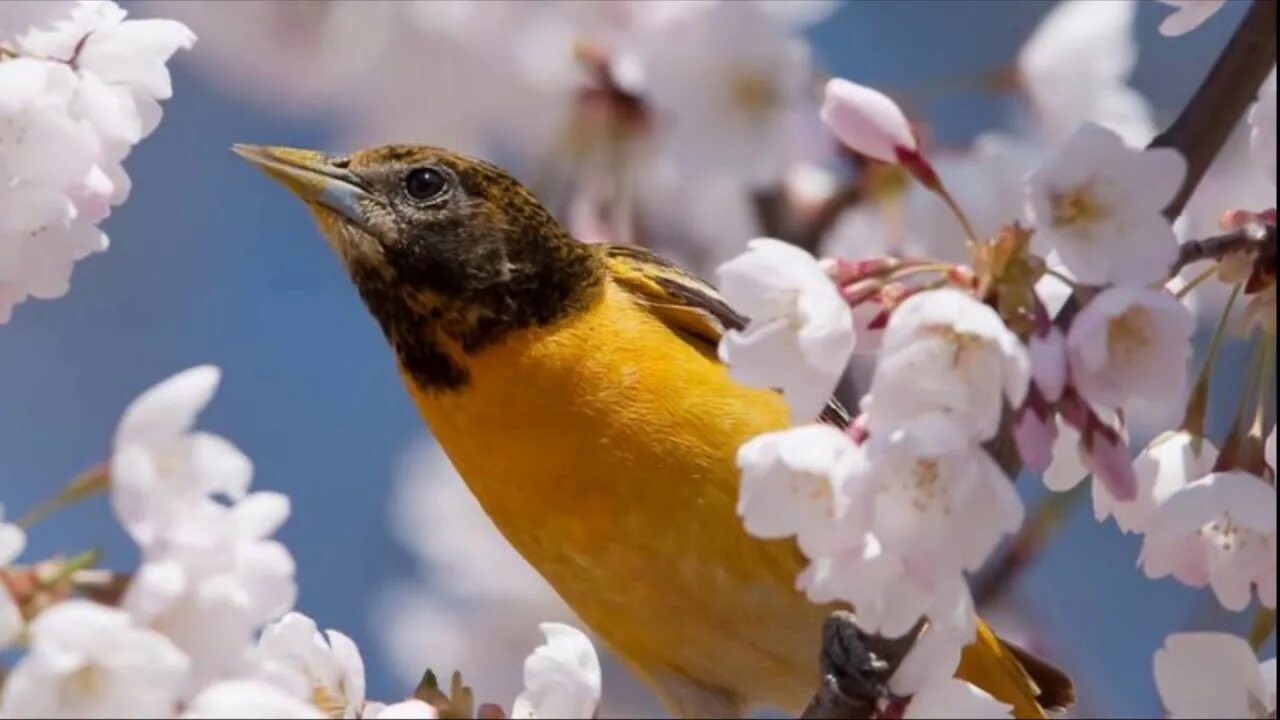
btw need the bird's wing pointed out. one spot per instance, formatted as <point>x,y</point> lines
<point>692,308</point>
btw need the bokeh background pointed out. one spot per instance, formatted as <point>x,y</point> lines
<point>210,263</point>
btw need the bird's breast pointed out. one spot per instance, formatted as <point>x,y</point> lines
<point>604,450</point>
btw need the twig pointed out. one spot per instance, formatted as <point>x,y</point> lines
<point>1253,237</point>
<point>855,669</point>
<point>1222,99</point>
<point>1199,134</point>
<point>825,217</point>
<point>771,212</point>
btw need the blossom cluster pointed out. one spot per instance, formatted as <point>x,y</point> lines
<point>205,627</point>
<point>1017,303</point>
<point>77,92</point>
<point>895,510</point>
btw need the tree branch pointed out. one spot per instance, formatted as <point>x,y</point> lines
<point>1222,99</point>
<point>855,669</point>
<point>854,666</point>
<point>1199,133</point>
<point>1254,237</point>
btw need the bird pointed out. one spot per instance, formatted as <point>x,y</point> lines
<point>576,389</point>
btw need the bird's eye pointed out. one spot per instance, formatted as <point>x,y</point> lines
<point>425,183</point>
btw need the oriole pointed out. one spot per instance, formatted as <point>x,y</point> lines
<point>576,389</point>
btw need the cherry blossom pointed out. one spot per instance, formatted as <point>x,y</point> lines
<point>925,505</point>
<point>1269,451</point>
<point>1188,15</point>
<point>1219,531</point>
<point>216,581</point>
<point>727,66</point>
<point>160,467</point>
<point>74,98</point>
<point>12,542</point>
<point>890,600</point>
<point>411,709</point>
<point>943,351</point>
<point>561,677</point>
<point>1130,343</point>
<point>330,663</point>
<point>89,660</point>
<point>792,485</point>
<point>926,677</point>
<point>248,699</point>
<point>1167,465</point>
<point>955,698</point>
<point>1075,69</point>
<point>1098,204</point>
<point>1214,675</point>
<point>933,496</point>
<point>798,320</point>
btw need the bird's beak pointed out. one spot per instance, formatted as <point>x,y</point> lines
<point>311,176</point>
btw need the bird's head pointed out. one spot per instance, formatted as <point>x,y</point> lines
<point>438,243</point>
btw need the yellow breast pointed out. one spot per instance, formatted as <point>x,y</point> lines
<point>603,448</point>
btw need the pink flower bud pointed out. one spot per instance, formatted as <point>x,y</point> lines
<point>867,121</point>
<point>1034,432</point>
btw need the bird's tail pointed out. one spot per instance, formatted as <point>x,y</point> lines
<point>1012,675</point>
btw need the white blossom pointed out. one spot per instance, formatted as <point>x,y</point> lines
<point>1098,204</point>
<point>728,85</point>
<point>1268,450</point>
<point>866,120</point>
<point>248,699</point>
<point>952,698</point>
<point>161,468</point>
<point>1068,468</point>
<point>330,663</point>
<point>890,600</point>
<point>1188,15</point>
<point>87,660</point>
<point>925,505</point>
<point>800,334</point>
<point>1075,68</point>
<point>49,181</point>
<point>792,485</point>
<point>933,496</point>
<point>1214,675</point>
<point>73,101</point>
<point>216,581</point>
<point>943,351</point>
<point>411,709</point>
<point>1262,128</point>
<point>12,542</point>
<point>1219,531</point>
<point>1131,343</point>
<point>561,677</point>
<point>1167,465</point>
<point>120,65</point>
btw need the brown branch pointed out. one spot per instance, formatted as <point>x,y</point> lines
<point>1222,99</point>
<point>1254,237</point>
<point>773,214</point>
<point>824,218</point>
<point>854,669</point>
<point>1198,133</point>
